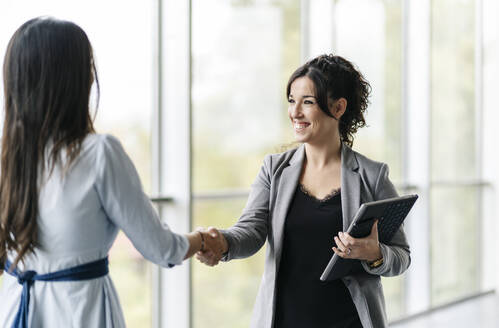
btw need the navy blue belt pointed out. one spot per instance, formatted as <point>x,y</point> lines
<point>85,271</point>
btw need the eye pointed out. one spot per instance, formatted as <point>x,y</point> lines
<point>308,102</point>
<point>291,101</point>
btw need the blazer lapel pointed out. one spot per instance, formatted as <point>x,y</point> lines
<point>350,185</point>
<point>287,187</point>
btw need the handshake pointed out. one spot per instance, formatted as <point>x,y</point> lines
<point>213,246</point>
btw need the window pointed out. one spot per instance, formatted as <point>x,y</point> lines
<point>369,33</point>
<point>243,54</point>
<point>454,197</point>
<point>421,60</point>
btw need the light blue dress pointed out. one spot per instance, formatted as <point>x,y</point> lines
<point>80,213</point>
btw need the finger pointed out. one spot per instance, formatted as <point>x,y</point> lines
<point>205,256</point>
<point>206,261</point>
<point>339,244</point>
<point>346,249</point>
<point>201,259</point>
<point>345,239</point>
<point>374,229</point>
<point>213,261</point>
<point>214,256</point>
<point>213,232</point>
<point>340,253</point>
<point>201,256</point>
<point>348,240</point>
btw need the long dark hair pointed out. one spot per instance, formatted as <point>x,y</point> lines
<point>335,77</point>
<point>48,73</point>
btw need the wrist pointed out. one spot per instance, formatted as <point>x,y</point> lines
<point>377,255</point>
<point>195,241</point>
<point>376,263</point>
<point>202,246</point>
<point>225,244</point>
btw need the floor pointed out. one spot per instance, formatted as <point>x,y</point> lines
<point>480,312</point>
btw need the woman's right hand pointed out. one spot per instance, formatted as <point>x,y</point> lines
<point>218,246</point>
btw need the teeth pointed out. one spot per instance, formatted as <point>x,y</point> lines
<point>300,126</point>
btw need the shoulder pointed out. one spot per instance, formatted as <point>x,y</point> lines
<point>370,170</point>
<point>102,139</point>
<point>367,164</point>
<point>104,148</point>
<point>274,162</point>
<point>102,143</point>
<point>282,157</point>
<point>374,174</point>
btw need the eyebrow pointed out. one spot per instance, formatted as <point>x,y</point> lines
<point>305,96</point>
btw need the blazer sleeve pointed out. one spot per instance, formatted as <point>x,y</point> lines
<point>396,253</point>
<point>248,235</point>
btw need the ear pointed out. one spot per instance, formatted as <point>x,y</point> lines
<point>337,107</point>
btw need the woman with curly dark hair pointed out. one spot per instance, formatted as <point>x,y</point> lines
<point>305,198</point>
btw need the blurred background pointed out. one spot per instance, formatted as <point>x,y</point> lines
<point>195,91</point>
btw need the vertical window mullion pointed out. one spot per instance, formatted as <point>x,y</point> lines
<point>156,151</point>
<point>305,30</point>
<point>175,151</point>
<point>418,151</point>
<point>482,270</point>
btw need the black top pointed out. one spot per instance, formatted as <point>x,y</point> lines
<point>302,299</point>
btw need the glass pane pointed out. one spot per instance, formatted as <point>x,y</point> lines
<point>455,260</point>
<point>217,300</point>
<point>124,54</point>
<point>455,246</point>
<point>243,54</point>
<point>369,33</point>
<point>452,89</point>
<point>377,26</point>
<point>131,275</point>
<point>393,288</point>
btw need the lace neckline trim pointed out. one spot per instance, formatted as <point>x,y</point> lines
<point>333,193</point>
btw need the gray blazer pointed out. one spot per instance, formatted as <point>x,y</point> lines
<point>362,180</point>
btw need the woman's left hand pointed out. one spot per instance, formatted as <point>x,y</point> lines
<point>359,248</point>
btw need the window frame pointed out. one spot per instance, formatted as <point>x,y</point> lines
<point>173,305</point>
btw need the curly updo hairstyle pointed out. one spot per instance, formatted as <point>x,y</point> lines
<point>335,77</point>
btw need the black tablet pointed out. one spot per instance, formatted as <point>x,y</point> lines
<point>391,213</point>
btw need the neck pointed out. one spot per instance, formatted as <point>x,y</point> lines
<point>321,155</point>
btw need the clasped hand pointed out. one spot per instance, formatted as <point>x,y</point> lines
<point>366,248</point>
<point>215,246</point>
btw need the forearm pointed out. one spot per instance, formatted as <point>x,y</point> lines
<point>242,242</point>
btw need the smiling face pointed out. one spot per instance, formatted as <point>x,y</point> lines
<point>310,124</point>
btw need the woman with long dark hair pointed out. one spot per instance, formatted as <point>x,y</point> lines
<point>305,198</point>
<point>65,191</point>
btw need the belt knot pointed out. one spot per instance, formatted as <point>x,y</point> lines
<point>26,277</point>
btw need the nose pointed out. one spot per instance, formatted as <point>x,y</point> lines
<point>295,110</point>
